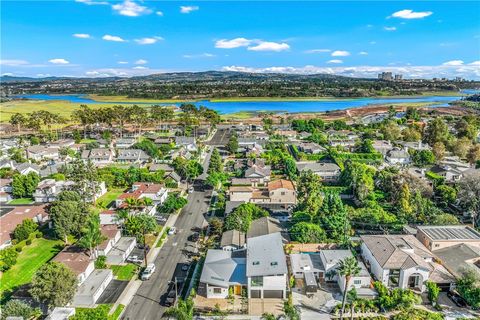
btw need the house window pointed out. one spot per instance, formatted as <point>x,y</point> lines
<point>437,245</point>
<point>357,282</point>
<point>217,290</point>
<point>282,193</point>
<point>257,281</point>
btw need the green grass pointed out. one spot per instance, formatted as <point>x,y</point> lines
<point>99,312</point>
<point>29,261</point>
<point>125,272</point>
<point>116,314</point>
<point>87,140</point>
<point>108,197</point>
<point>241,115</point>
<point>21,201</point>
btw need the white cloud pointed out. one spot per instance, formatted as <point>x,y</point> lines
<point>13,62</point>
<point>43,75</point>
<point>188,9</point>
<point>233,43</point>
<point>340,53</point>
<point>130,9</point>
<point>269,46</point>
<point>363,53</point>
<point>416,72</point>
<point>140,68</point>
<point>390,28</point>
<point>9,74</point>
<point>122,62</point>
<point>475,63</point>
<point>82,35</point>
<point>453,63</point>
<point>203,55</point>
<point>373,42</point>
<point>336,61</point>
<point>148,40</point>
<point>58,61</point>
<point>159,13</point>
<point>91,3</point>
<point>141,61</point>
<point>108,37</point>
<point>121,72</point>
<point>410,14</point>
<point>318,51</point>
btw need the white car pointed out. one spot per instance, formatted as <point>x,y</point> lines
<point>134,259</point>
<point>147,273</point>
<point>172,231</point>
<point>190,189</point>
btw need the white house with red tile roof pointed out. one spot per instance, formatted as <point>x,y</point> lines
<point>140,190</point>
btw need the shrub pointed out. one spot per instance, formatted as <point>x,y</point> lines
<point>101,262</point>
<point>8,258</point>
<point>28,242</point>
<point>39,234</point>
<point>23,230</point>
<point>18,249</point>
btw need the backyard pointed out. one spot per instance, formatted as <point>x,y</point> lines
<point>29,261</point>
<point>125,272</point>
<point>21,201</point>
<point>108,197</point>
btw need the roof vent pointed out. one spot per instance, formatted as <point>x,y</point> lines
<point>274,263</point>
<point>256,263</point>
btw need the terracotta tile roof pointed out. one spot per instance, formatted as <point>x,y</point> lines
<point>240,189</point>
<point>10,220</point>
<point>75,258</point>
<point>140,189</point>
<point>110,230</point>
<point>280,184</point>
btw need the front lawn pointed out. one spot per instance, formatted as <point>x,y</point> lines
<point>29,261</point>
<point>125,272</point>
<point>108,197</point>
<point>21,201</point>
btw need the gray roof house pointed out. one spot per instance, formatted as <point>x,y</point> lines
<point>459,258</point>
<point>26,168</point>
<point>398,156</point>
<point>98,155</point>
<point>232,240</point>
<point>132,156</point>
<point>266,267</point>
<point>222,270</point>
<point>263,226</point>
<point>328,171</point>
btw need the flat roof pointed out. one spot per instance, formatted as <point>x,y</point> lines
<point>94,282</point>
<point>450,232</point>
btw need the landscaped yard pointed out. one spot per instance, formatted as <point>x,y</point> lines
<point>108,197</point>
<point>99,312</point>
<point>125,272</point>
<point>21,201</point>
<point>29,261</point>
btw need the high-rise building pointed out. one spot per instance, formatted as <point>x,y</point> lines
<point>398,77</point>
<point>385,76</point>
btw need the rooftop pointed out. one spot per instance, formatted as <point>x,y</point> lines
<point>265,256</point>
<point>222,268</point>
<point>450,232</point>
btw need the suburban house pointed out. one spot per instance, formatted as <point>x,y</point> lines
<point>361,282</point>
<point>398,156</point>
<point>39,153</point>
<point>402,261</point>
<point>450,174</point>
<point>439,237</point>
<point>257,169</point>
<point>63,143</point>
<point>415,145</point>
<point>5,190</point>
<point>125,143</point>
<point>14,217</point>
<point>186,142</point>
<point>266,267</point>
<point>132,156</point>
<point>310,147</point>
<point>233,240</point>
<point>99,156</point>
<point>221,271</point>
<point>307,267</point>
<point>140,190</point>
<point>382,146</point>
<point>115,247</point>
<point>47,190</point>
<point>278,196</point>
<point>344,138</point>
<point>328,171</point>
<point>26,168</point>
<point>92,282</point>
<point>263,226</point>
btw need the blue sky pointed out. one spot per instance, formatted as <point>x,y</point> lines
<point>132,37</point>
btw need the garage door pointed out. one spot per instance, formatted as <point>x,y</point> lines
<point>255,294</point>
<point>273,294</point>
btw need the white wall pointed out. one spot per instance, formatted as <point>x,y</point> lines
<point>210,294</point>
<point>379,273</point>
<point>405,274</point>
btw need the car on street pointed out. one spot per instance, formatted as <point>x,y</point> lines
<point>172,231</point>
<point>190,189</point>
<point>135,259</point>
<point>459,301</point>
<point>194,237</point>
<point>147,273</point>
<point>171,297</point>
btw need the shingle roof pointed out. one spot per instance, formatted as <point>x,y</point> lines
<point>317,166</point>
<point>222,269</point>
<point>232,237</point>
<point>75,258</point>
<point>263,226</point>
<point>265,256</point>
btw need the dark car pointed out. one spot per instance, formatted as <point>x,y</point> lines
<point>459,301</point>
<point>170,299</point>
<point>194,237</point>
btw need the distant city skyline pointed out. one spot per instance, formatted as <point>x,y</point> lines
<point>96,38</point>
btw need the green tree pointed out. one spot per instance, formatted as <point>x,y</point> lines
<point>436,131</point>
<point>447,193</point>
<point>68,217</point>
<point>468,286</point>
<point>24,230</point>
<point>333,218</point>
<point>140,225</point>
<point>172,203</point>
<point>359,177</point>
<point>18,187</point>
<point>217,179</point>
<point>438,150</point>
<point>241,218</point>
<point>309,195</point>
<point>347,268</point>
<point>54,284</point>
<point>306,232</point>
<point>183,310</point>
<point>17,308</point>
<point>404,205</point>
<point>216,163</point>
<point>423,158</point>
<point>433,291</point>
<point>19,120</point>
<point>232,144</point>
<point>91,234</point>
<point>8,258</point>
<point>469,195</point>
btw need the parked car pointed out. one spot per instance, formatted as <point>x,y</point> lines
<point>459,301</point>
<point>171,297</point>
<point>172,231</point>
<point>135,259</point>
<point>147,273</point>
<point>190,189</point>
<point>194,237</point>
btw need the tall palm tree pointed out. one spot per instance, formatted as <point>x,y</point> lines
<point>348,268</point>
<point>183,310</point>
<point>92,235</point>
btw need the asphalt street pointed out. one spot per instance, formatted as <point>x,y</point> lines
<point>220,137</point>
<point>147,302</point>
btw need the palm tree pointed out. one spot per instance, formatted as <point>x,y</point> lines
<point>348,268</point>
<point>92,236</point>
<point>183,310</point>
<point>352,299</point>
<point>147,202</point>
<point>133,204</point>
<point>120,217</point>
